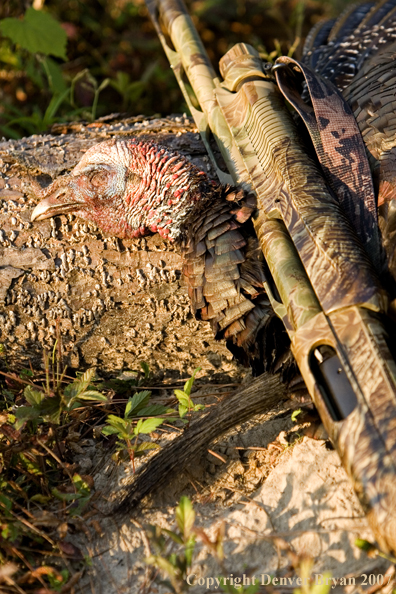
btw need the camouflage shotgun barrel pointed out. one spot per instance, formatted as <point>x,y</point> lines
<point>323,284</point>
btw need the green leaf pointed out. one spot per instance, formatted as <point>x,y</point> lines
<point>55,77</point>
<point>198,407</point>
<point>141,448</point>
<point>5,503</point>
<point>51,408</point>
<point>40,498</point>
<point>70,391</point>
<point>81,485</point>
<point>189,383</point>
<point>117,423</point>
<point>26,413</point>
<point>175,537</point>
<point>185,516</point>
<point>154,409</point>
<point>146,445</point>
<point>138,401</point>
<point>147,426</point>
<point>162,563</point>
<point>53,106</point>
<point>183,398</point>
<point>64,496</point>
<point>31,465</point>
<point>145,368</point>
<point>84,380</point>
<point>92,395</point>
<point>189,549</point>
<point>109,430</point>
<point>38,32</point>
<point>183,410</point>
<point>33,397</point>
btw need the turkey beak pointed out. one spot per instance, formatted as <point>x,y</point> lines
<point>58,202</point>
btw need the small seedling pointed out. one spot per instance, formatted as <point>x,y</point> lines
<point>175,566</point>
<point>186,404</point>
<point>129,427</point>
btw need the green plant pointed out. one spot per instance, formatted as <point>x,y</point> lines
<point>186,404</point>
<point>89,82</point>
<point>37,472</point>
<point>132,90</point>
<point>81,494</point>
<point>37,37</point>
<point>48,403</point>
<point>38,33</point>
<point>129,427</point>
<point>175,566</point>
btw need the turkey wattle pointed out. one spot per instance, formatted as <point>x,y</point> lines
<point>131,188</point>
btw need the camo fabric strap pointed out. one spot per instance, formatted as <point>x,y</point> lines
<point>339,147</point>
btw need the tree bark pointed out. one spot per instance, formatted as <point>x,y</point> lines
<point>112,302</point>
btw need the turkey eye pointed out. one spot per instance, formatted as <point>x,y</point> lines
<point>97,179</point>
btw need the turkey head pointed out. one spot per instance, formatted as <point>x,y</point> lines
<point>129,188</point>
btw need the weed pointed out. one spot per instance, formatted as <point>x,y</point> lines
<point>142,418</point>
<point>40,491</point>
<point>186,405</point>
<point>175,566</point>
<point>129,427</point>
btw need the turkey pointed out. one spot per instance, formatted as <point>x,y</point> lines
<point>131,188</point>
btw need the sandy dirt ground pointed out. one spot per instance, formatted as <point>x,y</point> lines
<point>281,497</point>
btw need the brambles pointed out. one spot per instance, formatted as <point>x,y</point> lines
<point>42,495</point>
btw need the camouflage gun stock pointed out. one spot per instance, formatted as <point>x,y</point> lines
<point>323,284</point>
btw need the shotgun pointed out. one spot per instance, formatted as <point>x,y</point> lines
<point>322,251</point>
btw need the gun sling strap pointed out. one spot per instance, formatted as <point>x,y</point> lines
<point>339,147</point>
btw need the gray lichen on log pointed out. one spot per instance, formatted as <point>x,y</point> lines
<point>115,302</point>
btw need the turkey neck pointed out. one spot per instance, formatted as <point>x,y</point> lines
<point>167,194</point>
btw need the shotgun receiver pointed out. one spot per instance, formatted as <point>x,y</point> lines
<point>321,248</point>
